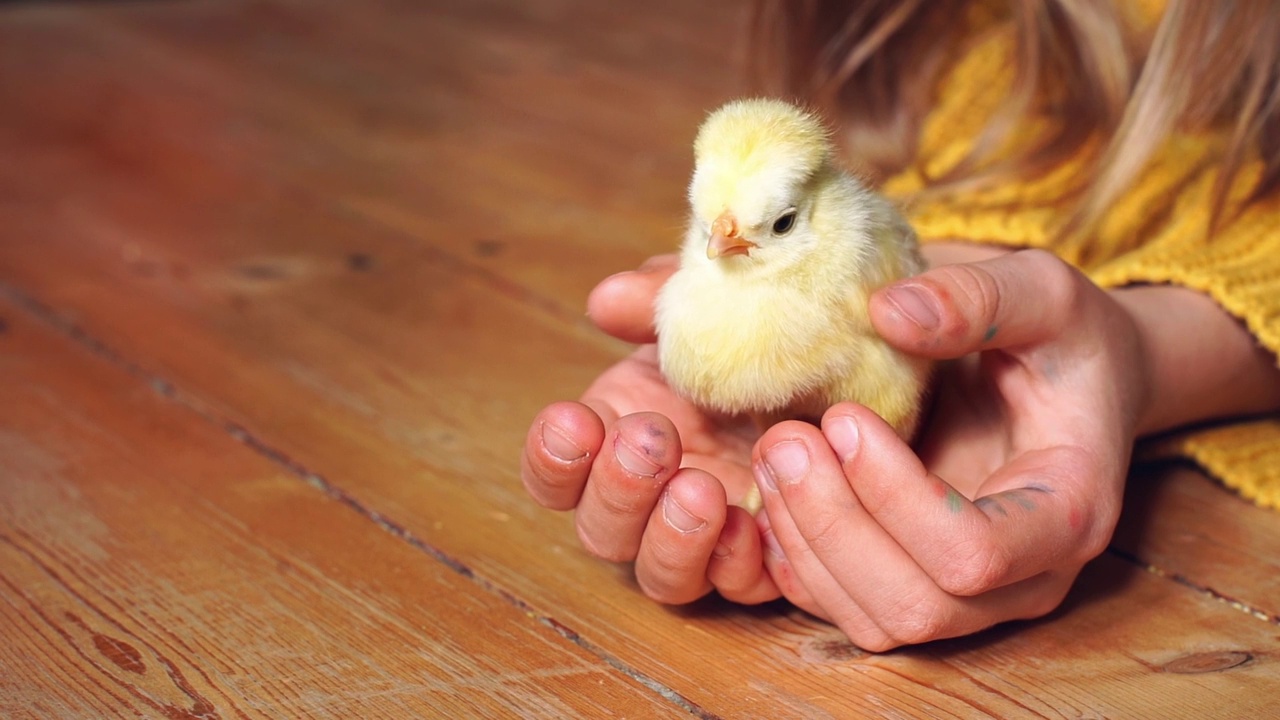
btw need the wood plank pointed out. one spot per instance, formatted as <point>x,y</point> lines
<point>431,126</point>
<point>152,565</point>
<point>406,385</point>
<point>1192,529</point>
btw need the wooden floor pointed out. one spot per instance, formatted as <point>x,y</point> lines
<point>282,283</point>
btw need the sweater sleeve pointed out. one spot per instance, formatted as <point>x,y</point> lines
<point>1240,269</point>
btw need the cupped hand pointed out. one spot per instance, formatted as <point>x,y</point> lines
<point>651,478</point>
<point>1017,478</point>
<point>1015,484</point>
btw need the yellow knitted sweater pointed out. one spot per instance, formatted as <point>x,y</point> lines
<point>1239,267</point>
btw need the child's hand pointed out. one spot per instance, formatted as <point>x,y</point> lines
<point>1020,471</point>
<point>1016,484</point>
<point>623,458</point>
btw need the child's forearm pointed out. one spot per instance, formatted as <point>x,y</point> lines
<point>1202,364</point>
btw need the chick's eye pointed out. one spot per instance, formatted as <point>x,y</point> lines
<point>784,223</point>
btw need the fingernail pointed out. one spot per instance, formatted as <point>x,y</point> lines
<point>916,304</point>
<point>721,551</point>
<point>788,461</point>
<point>677,517</point>
<point>842,433</point>
<point>771,544</point>
<point>558,443</point>
<point>634,462</point>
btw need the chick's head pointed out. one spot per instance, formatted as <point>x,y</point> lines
<point>756,165</point>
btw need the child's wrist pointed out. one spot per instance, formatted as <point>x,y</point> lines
<point>1200,363</point>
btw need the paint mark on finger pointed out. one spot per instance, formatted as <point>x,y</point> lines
<point>1074,520</point>
<point>989,504</point>
<point>1021,500</point>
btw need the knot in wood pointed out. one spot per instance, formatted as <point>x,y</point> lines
<point>1207,662</point>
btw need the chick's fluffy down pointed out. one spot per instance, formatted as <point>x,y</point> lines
<point>779,327</point>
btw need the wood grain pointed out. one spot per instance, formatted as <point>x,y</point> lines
<point>356,243</point>
<point>1191,529</point>
<point>151,564</point>
<point>436,124</point>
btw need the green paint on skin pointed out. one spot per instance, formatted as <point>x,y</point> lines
<point>990,333</point>
<point>991,502</point>
<point>1049,369</point>
<point>1020,500</point>
<point>955,503</point>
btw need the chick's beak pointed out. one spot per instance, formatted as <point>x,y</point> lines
<point>726,238</point>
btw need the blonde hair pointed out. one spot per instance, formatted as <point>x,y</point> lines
<point>874,64</point>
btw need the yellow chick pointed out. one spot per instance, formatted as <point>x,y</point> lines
<point>767,314</point>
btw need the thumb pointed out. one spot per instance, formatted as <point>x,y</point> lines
<point>622,304</point>
<point>1010,301</point>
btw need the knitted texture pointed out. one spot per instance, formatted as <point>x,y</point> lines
<point>1155,233</point>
